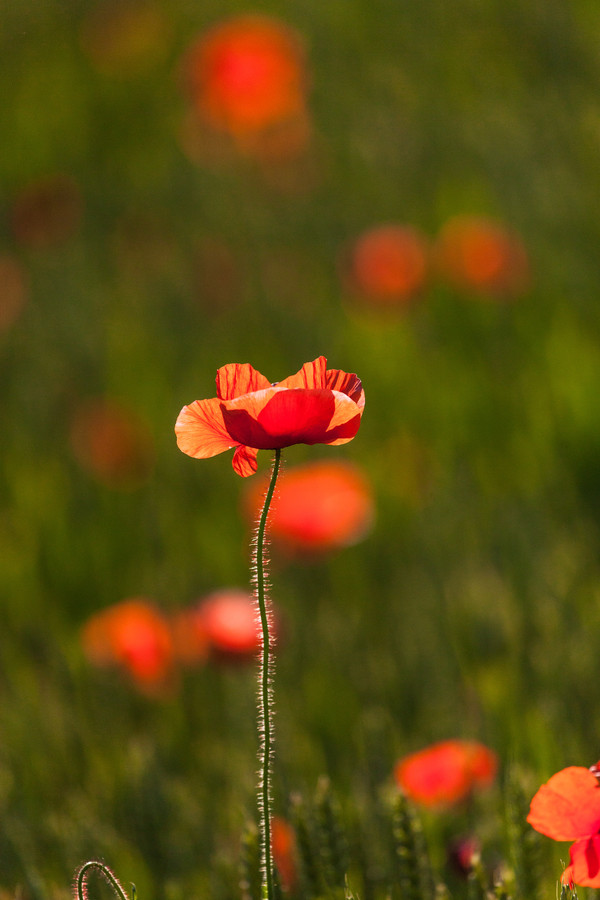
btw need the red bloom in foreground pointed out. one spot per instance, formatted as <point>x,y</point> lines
<point>320,506</point>
<point>247,74</point>
<point>567,808</point>
<point>315,406</point>
<point>482,255</point>
<point>446,772</point>
<point>388,264</point>
<point>134,635</point>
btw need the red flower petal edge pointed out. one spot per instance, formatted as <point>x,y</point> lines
<point>315,406</point>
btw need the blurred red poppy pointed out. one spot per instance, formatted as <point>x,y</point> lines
<point>283,845</point>
<point>247,74</point>
<point>190,643</point>
<point>13,291</point>
<point>226,624</point>
<point>567,808</point>
<point>315,406</point>
<point>135,636</point>
<point>319,507</point>
<point>112,443</point>
<point>388,265</point>
<point>46,212</point>
<point>463,853</point>
<point>446,772</point>
<point>482,255</point>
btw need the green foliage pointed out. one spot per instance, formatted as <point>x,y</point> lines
<point>400,866</point>
<point>250,880</point>
<point>413,878</point>
<point>312,878</point>
<point>526,846</point>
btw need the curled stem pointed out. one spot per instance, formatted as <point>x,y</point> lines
<point>265,694</point>
<point>81,876</point>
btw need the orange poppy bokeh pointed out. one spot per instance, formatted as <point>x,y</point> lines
<point>567,808</point>
<point>283,845</point>
<point>223,624</point>
<point>319,507</point>
<point>447,772</point>
<point>478,254</point>
<point>134,636</point>
<point>247,74</point>
<point>315,406</point>
<point>387,265</point>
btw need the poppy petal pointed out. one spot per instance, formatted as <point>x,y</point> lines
<point>237,379</point>
<point>567,807</point>
<point>311,375</point>
<point>345,421</point>
<point>585,863</point>
<point>244,461</point>
<point>279,418</point>
<point>346,383</point>
<point>201,431</point>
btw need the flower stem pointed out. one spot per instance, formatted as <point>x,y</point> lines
<point>81,877</point>
<point>265,693</point>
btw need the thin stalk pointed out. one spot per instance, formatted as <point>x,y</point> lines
<point>265,693</point>
<point>81,876</point>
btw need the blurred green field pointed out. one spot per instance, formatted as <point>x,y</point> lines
<point>472,609</point>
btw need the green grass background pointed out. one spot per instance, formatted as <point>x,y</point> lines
<point>473,607</point>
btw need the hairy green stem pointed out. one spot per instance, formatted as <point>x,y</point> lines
<point>81,880</point>
<point>265,695</point>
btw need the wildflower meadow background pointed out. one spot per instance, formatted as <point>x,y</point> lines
<point>410,189</point>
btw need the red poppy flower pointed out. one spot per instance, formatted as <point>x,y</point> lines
<point>190,643</point>
<point>319,507</point>
<point>225,623</point>
<point>388,264</point>
<point>134,635</point>
<point>446,772</point>
<point>567,808</point>
<point>247,74</point>
<point>480,254</point>
<point>315,406</point>
<point>283,846</point>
